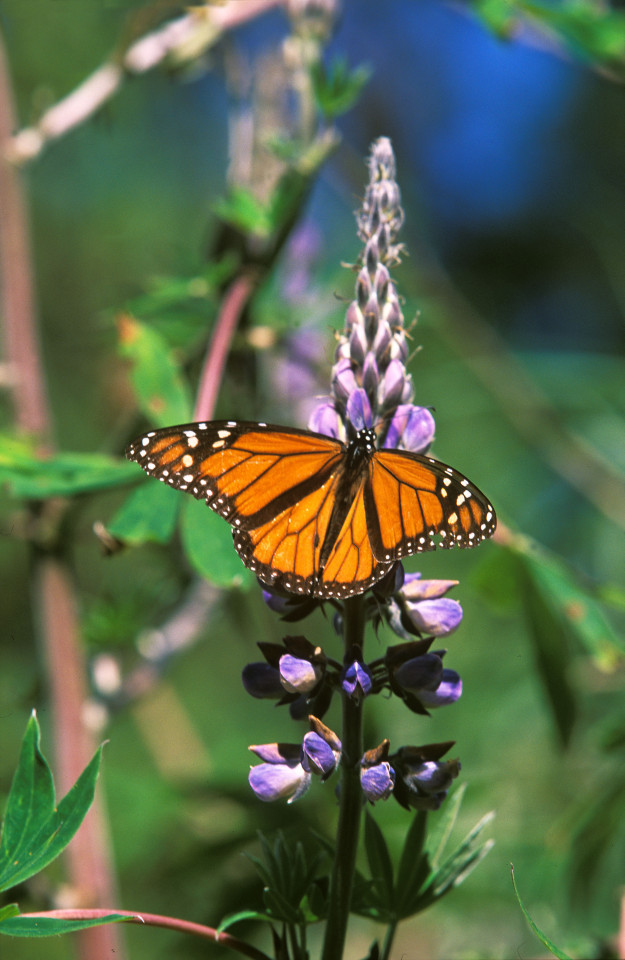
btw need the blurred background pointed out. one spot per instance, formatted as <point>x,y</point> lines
<point>510,154</point>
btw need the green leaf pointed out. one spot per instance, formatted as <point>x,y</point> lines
<point>581,615</point>
<point>380,865</point>
<point>245,212</point>
<point>52,926</point>
<point>439,834</point>
<point>233,918</point>
<point>31,476</point>
<point>413,865</point>
<point>337,88</point>
<point>161,390</point>
<point>461,862</point>
<point>551,647</point>
<point>10,910</point>
<point>207,540</point>
<point>35,831</point>
<point>541,936</point>
<point>149,514</point>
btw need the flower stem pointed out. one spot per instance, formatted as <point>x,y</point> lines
<point>350,801</point>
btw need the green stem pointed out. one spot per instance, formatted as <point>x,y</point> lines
<point>350,809</point>
<point>388,941</point>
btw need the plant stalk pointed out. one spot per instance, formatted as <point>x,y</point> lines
<point>350,808</point>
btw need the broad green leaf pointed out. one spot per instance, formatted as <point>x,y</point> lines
<point>541,936</point>
<point>30,476</point>
<point>149,514</point>
<point>161,391</point>
<point>207,539</point>
<point>52,926</point>
<point>380,865</point>
<point>35,830</point>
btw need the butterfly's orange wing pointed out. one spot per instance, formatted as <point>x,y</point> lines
<point>415,503</point>
<point>299,521</point>
<point>274,485</point>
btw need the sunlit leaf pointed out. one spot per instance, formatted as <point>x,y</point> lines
<point>29,475</point>
<point>148,514</point>
<point>161,391</point>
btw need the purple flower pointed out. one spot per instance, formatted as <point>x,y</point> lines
<point>422,779</point>
<point>435,617</point>
<point>411,428</point>
<point>377,782</point>
<point>297,675</point>
<point>359,410</point>
<point>421,680</point>
<point>356,681</point>
<point>424,672</point>
<point>262,681</point>
<point>325,419</point>
<point>414,588</point>
<point>428,783</point>
<point>318,756</point>
<point>448,691</point>
<point>282,776</point>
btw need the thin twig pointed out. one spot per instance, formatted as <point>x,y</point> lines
<point>157,920</point>
<point>185,38</point>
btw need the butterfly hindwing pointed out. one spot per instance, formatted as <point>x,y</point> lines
<point>410,499</point>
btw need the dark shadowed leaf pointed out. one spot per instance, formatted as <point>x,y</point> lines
<point>380,864</point>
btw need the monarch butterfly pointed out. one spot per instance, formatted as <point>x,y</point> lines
<point>312,515</point>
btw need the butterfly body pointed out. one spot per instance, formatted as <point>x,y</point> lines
<point>310,514</point>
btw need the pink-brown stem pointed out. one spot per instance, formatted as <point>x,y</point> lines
<point>88,860</point>
<point>233,304</point>
<point>158,920</point>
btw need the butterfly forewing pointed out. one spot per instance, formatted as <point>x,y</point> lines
<point>247,472</point>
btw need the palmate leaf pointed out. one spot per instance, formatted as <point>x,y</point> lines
<point>35,829</point>
<point>422,875</point>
